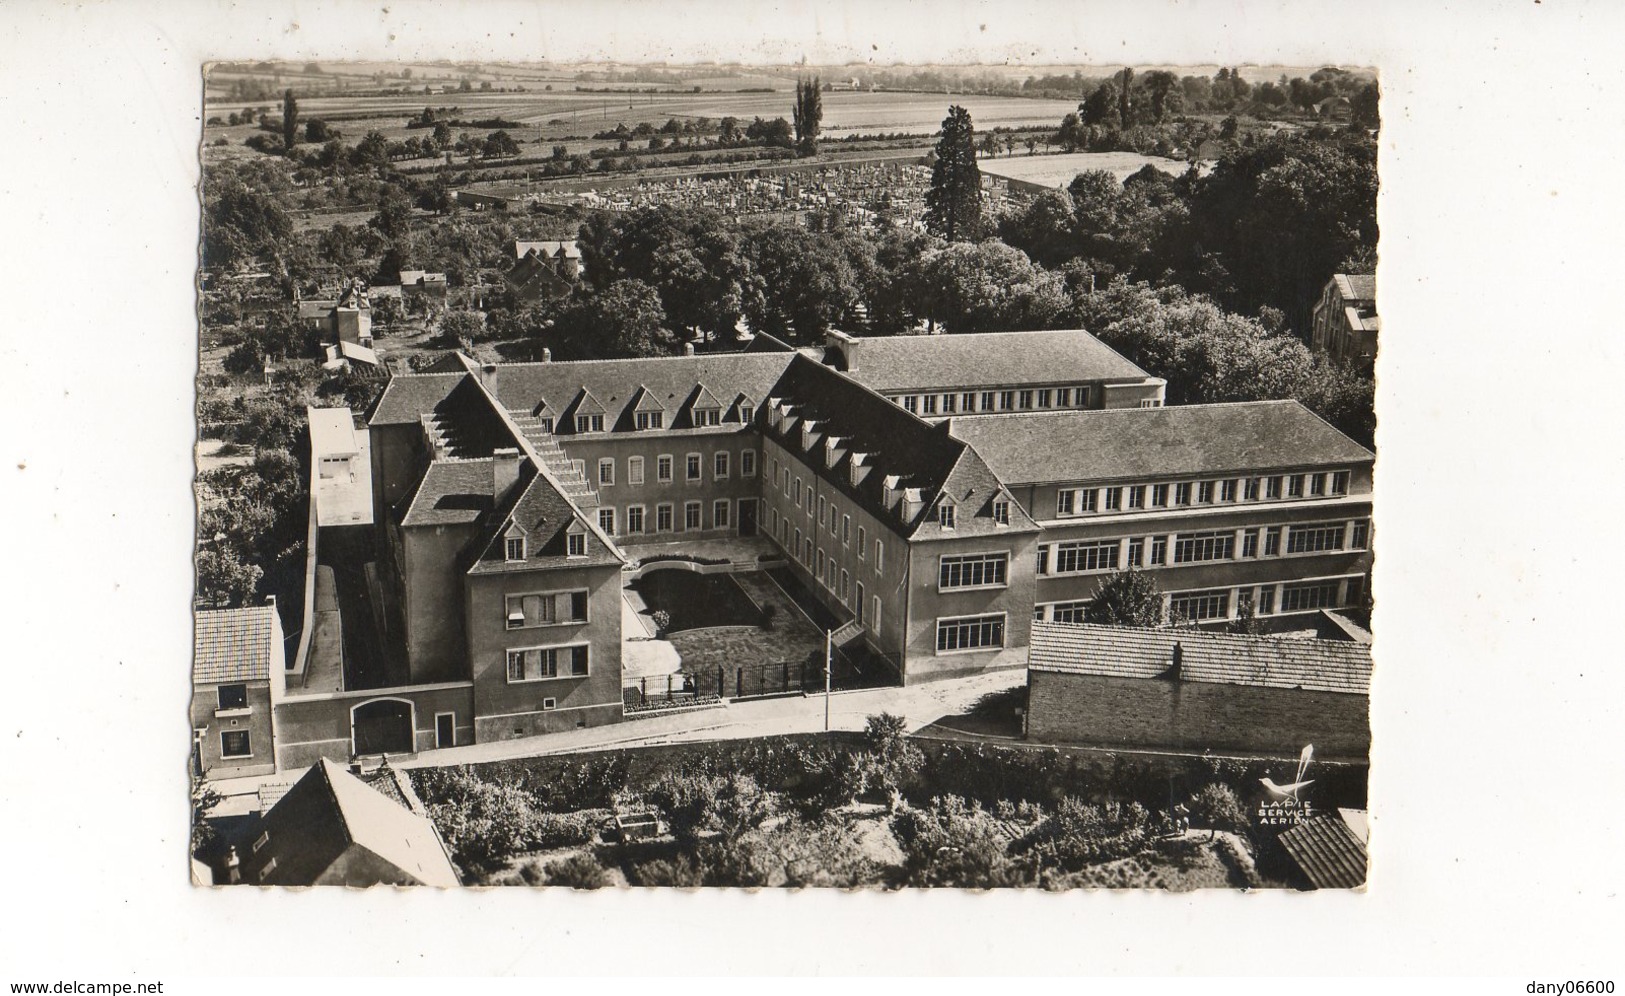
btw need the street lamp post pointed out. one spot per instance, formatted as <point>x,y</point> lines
<point>829,638</point>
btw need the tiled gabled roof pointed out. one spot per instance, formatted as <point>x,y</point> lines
<point>1331,855</point>
<point>1212,658</point>
<point>1148,443</point>
<point>231,645</point>
<point>451,493</point>
<point>545,516</point>
<point>408,396</point>
<point>988,359</point>
<point>896,445</point>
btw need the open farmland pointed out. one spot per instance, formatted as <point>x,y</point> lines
<point>1058,170</point>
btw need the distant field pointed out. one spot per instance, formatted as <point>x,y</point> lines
<point>1058,170</point>
<point>845,113</point>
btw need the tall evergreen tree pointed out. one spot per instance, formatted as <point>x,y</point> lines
<point>953,205</point>
<point>290,120</point>
<point>808,113</point>
<point>1125,105</point>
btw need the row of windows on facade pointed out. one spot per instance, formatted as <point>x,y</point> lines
<point>1082,556</point>
<point>1086,501</point>
<point>971,402</point>
<point>1266,600</point>
<point>693,467</point>
<point>841,530</point>
<point>646,421</point>
<point>835,578</point>
<point>542,663</point>
<point>946,514</point>
<point>636,522</point>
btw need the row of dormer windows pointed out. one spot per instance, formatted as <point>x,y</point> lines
<point>1090,556</point>
<point>649,421</point>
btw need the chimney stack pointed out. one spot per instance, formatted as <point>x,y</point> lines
<point>504,472</point>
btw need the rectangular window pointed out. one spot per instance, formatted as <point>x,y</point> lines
<point>1272,487</point>
<point>546,608</point>
<point>634,470</point>
<point>949,402</point>
<point>973,570</point>
<point>1190,548</point>
<point>1313,595</point>
<point>589,423</point>
<point>846,530</point>
<point>796,500</point>
<point>232,696</point>
<point>1069,612</point>
<point>945,516</point>
<point>1063,397</point>
<point>1317,484</point>
<point>747,463</point>
<point>720,513</point>
<point>691,516</point>
<point>651,420</point>
<point>911,403</point>
<point>1266,600</point>
<point>1315,538</point>
<point>974,633</point>
<point>1077,501</point>
<point>1294,486</point>
<point>1086,555</point>
<point>663,468</point>
<point>1083,396</point>
<point>538,663</point>
<point>234,743</point>
<point>1159,496</point>
<point>1272,541</point>
<point>874,613</point>
<point>1043,560</point>
<point>606,520</point>
<point>634,519</point>
<point>987,401</point>
<point>928,404</point>
<point>1227,490</point>
<point>1194,606</point>
<point>694,467</point>
<point>1182,493</point>
<point>967,401</point>
<point>1114,499</point>
<point>606,472</point>
<point>747,412</point>
<point>1026,400</point>
<point>1204,492</point>
<point>1249,543</point>
<point>1136,496</point>
<point>575,545</point>
<point>1359,533</point>
<point>834,523</point>
<point>1007,400</point>
<point>514,549</point>
<point>1249,489</point>
<point>1136,552</point>
<point>1044,396</point>
<point>1340,483</point>
<point>809,500</point>
<point>719,465</point>
<point>820,571</point>
<point>846,585</point>
<point>863,543</point>
<point>880,556</point>
<point>1159,550</point>
<point>807,551</point>
<point>820,510</point>
<point>1001,513</point>
<point>663,518</point>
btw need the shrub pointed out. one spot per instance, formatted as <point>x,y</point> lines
<point>578,871</point>
<point>1217,807</point>
<point>1078,834</point>
<point>954,843</point>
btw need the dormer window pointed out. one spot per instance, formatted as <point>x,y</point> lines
<point>746,413</point>
<point>945,515</point>
<point>651,420</point>
<point>1001,512</point>
<point>514,549</point>
<point>576,545</point>
<point>707,416</point>
<point>589,423</point>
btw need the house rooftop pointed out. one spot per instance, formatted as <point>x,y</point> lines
<point>989,359</point>
<point>1145,443</point>
<point>1212,658</point>
<point>332,432</point>
<point>232,645</point>
<point>545,247</point>
<point>452,493</point>
<point>1356,286</point>
<point>1331,852</point>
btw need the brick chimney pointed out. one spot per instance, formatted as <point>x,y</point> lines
<point>504,472</point>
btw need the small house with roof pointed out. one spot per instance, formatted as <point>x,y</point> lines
<point>1186,689</point>
<point>334,828</point>
<point>238,670</point>
<point>1344,323</point>
<point>543,269</point>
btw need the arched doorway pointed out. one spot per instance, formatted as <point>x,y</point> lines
<point>382,726</point>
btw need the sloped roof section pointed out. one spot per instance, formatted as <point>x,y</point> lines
<point>1331,855</point>
<point>408,396</point>
<point>451,493</point>
<point>1213,658</point>
<point>231,645</point>
<point>987,359</point>
<point>1148,443</point>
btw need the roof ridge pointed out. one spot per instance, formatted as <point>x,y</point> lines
<point>628,359</point>
<point>1171,630</point>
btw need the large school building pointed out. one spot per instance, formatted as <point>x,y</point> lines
<point>937,494</point>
